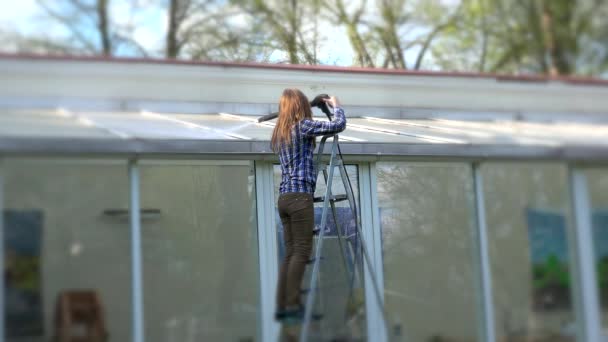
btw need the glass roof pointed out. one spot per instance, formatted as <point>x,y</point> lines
<point>235,125</point>
<point>47,123</point>
<point>62,123</point>
<point>147,125</point>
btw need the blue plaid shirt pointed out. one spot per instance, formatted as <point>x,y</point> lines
<point>297,167</point>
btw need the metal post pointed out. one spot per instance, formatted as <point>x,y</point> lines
<point>482,259</point>
<point>267,249</point>
<point>2,281</point>
<point>588,310</point>
<point>370,223</point>
<point>136,254</point>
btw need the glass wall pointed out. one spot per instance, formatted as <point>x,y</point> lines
<point>67,251</point>
<point>528,211</point>
<point>67,245</point>
<point>427,224</point>
<point>340,293</point>
<point>200,255</point>
<point>597,180</point>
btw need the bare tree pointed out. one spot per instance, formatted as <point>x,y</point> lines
<point>428,40</point>
<point>382,37</point>
<point>554,37</point>
<point>76,15</point>
<point>212,30</point>
<point>289,25</point>
<point>392,17</point>
<point>354,24</point>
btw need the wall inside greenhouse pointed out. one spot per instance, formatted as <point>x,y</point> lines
<point>200,268</point>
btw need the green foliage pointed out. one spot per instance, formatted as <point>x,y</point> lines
<point>555,273</point>
<point>602,273</point>
<point>556,37</point>
<point>551,273</point>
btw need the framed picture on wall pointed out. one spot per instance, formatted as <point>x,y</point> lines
<point>549,257</point>
<point>22,273</point>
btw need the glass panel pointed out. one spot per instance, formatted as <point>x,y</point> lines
<point>235,124</point>
<point>364,134</point>
<point>242,125</point>
<point>424,133</point>
<point>597,180</point>
<point>45,123</point>
<point>527,210</point>
<point>67,244</point>
<point>200,255</point>
<point>152,125</point>
<point>510,131</point>
<point>426,221</point>
<point>343,310</point>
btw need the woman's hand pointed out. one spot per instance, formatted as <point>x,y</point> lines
<point>332,101</point>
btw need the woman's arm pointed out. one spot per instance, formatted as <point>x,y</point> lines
<point>312,128</point>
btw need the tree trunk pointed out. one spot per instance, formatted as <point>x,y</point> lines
<point>390,37</point>
<point>484,37</point>
<point>362,56</point>
<point>103,26</point>
<point>292,46</point>
<point>172,45</point>
<point>546,23</point>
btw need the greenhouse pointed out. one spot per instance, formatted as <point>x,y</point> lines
<point>146,191</point>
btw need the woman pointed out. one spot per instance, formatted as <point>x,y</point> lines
<point>293,139</point>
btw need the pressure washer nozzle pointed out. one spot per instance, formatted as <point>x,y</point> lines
<point>268,117</point>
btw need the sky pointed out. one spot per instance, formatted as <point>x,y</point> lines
<point>17,14</point>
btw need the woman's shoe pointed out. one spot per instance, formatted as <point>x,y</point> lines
<point>279,315</point>
<point>295,315</point>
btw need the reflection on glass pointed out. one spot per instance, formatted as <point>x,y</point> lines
<point>597,180</point>
<point>426,221</point>
<point>67,245</point>
<point>527,210</point>
<point>340,297</point>
<point>200,253</point>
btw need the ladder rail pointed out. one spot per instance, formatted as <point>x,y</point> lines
<point>363,245</point>
<point>353,206</point>
<point>343,251</point>
<point>348,254</point>
<point>336,161</point>
<point>315,269</point>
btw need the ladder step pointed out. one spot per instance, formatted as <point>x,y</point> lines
<point>312,261</point>
<point>306,291</point>
<point>278,316</point>
<point>335,198</point>
<point>316,316</point>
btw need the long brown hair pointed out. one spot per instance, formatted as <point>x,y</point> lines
<point>293,108</point>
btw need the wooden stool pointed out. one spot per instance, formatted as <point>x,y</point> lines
<point>79,317</point>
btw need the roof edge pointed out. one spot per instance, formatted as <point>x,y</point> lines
<point>573,80</point>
